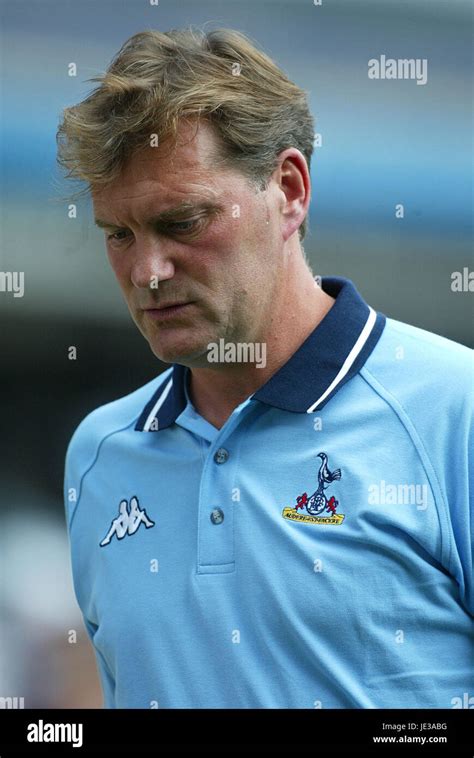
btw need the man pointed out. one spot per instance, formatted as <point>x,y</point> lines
<point>281,518</point>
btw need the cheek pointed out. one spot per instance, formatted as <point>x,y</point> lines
<point>119,265</point>
<point>253,232</point>
<point>121,268</point>
<point>215,254</point>
<point>236,235</point>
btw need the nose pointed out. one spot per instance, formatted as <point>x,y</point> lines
<point>152,263</point>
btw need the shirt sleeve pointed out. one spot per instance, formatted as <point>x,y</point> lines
<point>432,393</point>
<point>106,679</point>
<point>460,496</point>
<point>450,444</point>
<point>79,458</point>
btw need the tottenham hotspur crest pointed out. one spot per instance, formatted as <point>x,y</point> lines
<point>128,521</point>
<point>318,503</point>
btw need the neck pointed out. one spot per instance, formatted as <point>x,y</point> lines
<point>216,391</point>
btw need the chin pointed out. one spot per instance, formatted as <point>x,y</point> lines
<point>185,352</point>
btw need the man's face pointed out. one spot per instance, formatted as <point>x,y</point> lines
<point>221,254</point>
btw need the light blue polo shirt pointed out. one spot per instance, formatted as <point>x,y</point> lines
<point>315,552</point>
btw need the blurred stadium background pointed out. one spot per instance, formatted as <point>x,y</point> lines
<point>383,143</point>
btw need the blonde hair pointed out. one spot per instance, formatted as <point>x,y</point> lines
<point>157,78</point>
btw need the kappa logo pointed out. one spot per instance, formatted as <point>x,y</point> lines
<point>128,521</point>
<point>318,502</point>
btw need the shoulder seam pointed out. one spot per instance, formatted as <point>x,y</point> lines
<point>94,461</point>
<point>425,336</point>
<point>422,453</point>
<point>91,466</point>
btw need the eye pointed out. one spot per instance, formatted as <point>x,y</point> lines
<point>184,227</point>
<point>114,238</point>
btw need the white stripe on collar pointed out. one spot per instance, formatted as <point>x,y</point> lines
<point>157,406</point>
<point>358,345</point>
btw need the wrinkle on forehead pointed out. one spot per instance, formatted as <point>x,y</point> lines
<point>172,193</point>
<point>153,201</point>
<point>149,177</point>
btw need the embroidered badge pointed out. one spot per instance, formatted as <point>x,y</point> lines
<point>128,521</point>
<point>318,502</point>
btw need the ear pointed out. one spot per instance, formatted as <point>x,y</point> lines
<point>292,177</point>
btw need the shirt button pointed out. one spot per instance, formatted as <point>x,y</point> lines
<point>217,516</point>
<point>221,455</point>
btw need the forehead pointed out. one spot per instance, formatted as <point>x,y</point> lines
<point>168,173</point>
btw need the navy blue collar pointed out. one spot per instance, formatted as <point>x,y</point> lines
<point>333,353</point>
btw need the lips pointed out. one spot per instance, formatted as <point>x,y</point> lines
<point>169,305</point>
<point>166,311</point>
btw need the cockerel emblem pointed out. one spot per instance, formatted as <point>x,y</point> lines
<point>318,505</point>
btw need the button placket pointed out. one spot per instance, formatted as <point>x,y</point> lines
<point>221,455</point>
<point>217,515</point>
<point>216,552</point>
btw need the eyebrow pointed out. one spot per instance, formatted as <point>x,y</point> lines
<point>172,214</point>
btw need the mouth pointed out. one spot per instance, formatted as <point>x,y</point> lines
<point>169,311</point>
